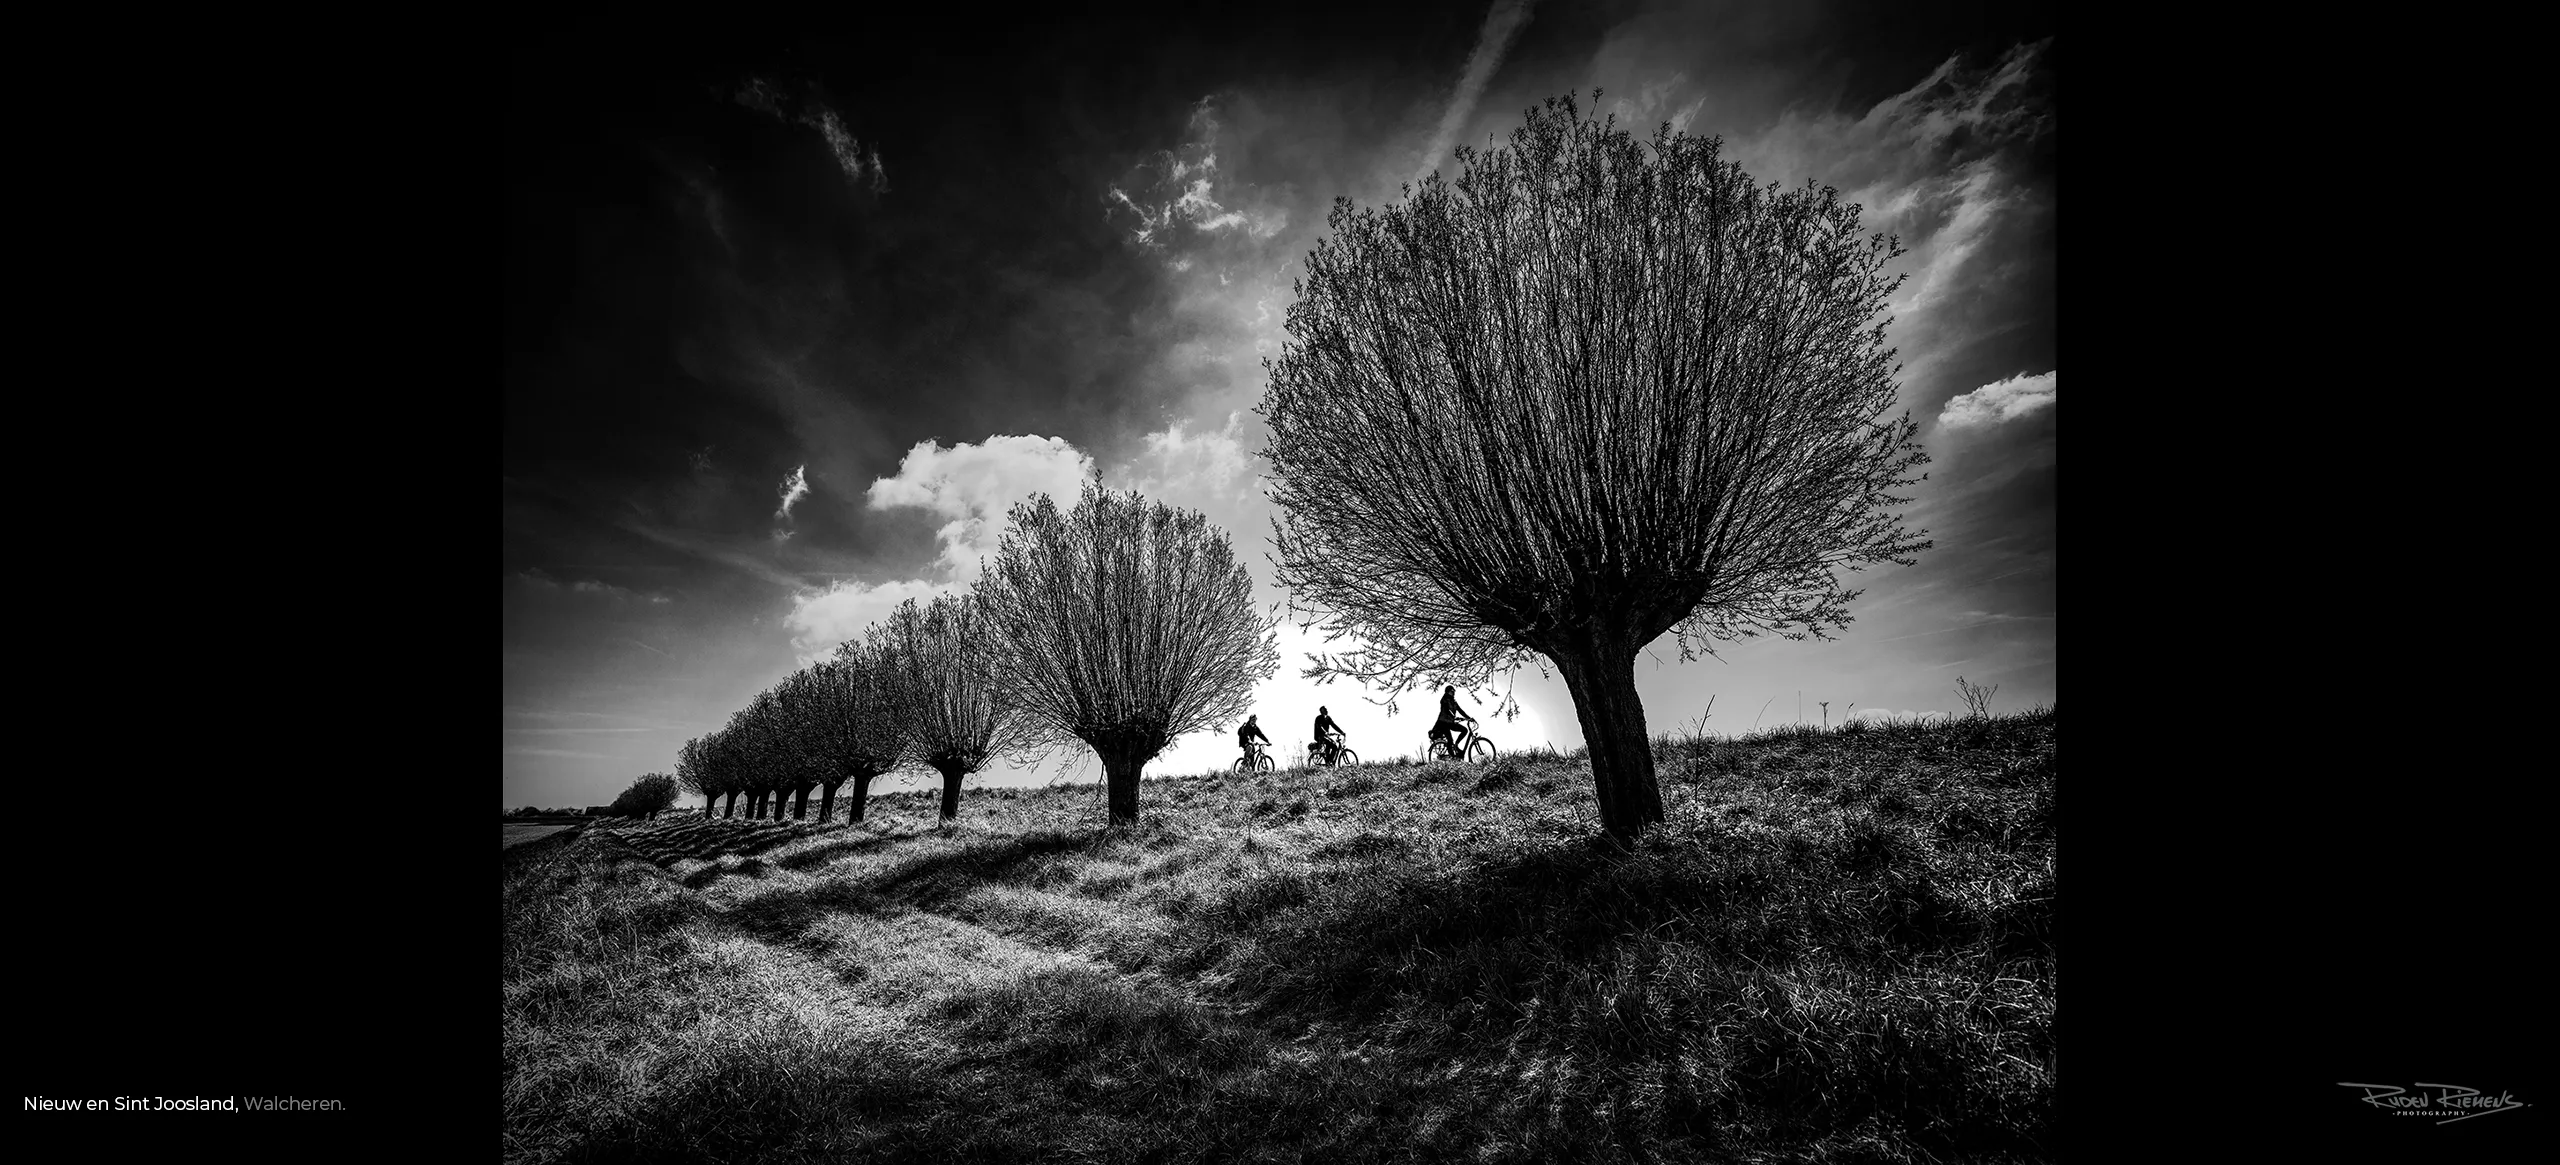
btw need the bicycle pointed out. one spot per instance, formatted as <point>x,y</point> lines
<point>1325,754</point>
<point>1466,745</point>
<point>1254,760</point>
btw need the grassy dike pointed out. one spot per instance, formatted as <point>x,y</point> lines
<point>1840,947</point>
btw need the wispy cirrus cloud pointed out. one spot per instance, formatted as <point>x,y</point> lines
<point>537,579</point>
<point>1502,25</point>
<point>861,168</point>
<point>1174,193</point>
<point>795,486</point>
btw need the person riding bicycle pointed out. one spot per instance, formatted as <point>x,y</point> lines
<point>1451,715</point>
<point>1329,735</point>
<point>1248,733</point>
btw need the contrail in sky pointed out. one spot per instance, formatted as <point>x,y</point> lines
<point>1501,25</point>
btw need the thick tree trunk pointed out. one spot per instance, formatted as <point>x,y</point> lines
<point>827,799</point>
<point>1120,775</point>
<point>710,803</point>
<point>951,792</point>
<point>800,803</point>
<point>1603,684</point>
<point>732,810</point>
<point>861,797</point>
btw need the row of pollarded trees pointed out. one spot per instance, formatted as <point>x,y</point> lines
<point>1585,395</point>
<point>1118,626</point>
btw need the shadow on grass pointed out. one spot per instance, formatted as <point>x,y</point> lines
<point>929,882</point>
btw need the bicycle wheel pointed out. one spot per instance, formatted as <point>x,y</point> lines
<point>1346,757</point>
<point>1243,764</point>
<point>1481,750</point>
<point>1262,764</point>
<point>1438,750</point>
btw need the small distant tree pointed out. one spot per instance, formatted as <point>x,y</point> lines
<point>1586,394</point>
<point>648,795</point>
<point>1123,624</point>
<point>955,725</point>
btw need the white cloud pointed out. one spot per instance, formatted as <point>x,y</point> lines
<point>1184,467</point>
<point>1928,165</point>
<point>975,485</point>
<point>849,153</point>
<point>861,168</point>
<point>820,619</point>
<point>2000,400</point>
<point>1969,200</point>
<point>1179,188</point>
<point>794,488</point>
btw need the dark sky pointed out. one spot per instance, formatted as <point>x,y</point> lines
<point>791,318</point>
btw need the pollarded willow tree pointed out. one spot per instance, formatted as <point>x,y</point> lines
<point>696,773</point>
<point>846,712</point>
<point>1585,394</point>
<point>954,724</point>
<point>771,760</point>
<point>1123,624</point>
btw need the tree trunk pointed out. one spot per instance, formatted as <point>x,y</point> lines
<point>1120,775</point>
<point>1603,684</point>
<point>800,803</point>
<point>827,798</point>
<point>861,796</point>
<point>732,810</point>
<point>710,802</point>
<point>951,792</point>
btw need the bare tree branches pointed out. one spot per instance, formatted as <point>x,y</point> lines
<point>1123,624</point>
<point>936,657</point>
<point>1584,391</point>
<point>1585,394</point>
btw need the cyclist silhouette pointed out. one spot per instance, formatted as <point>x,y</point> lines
<point>1249,732</point>
<point>1328,734</point>
<point>1450,716</point>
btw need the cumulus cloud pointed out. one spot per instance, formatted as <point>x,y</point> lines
<point>1184,467</point>
<point>2000,400</point>
<point>821,619</point>
<point>975,485</point>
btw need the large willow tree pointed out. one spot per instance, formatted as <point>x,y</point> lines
<point>954,723</point>
<point>1124,624</point>
<point>1587,393</point>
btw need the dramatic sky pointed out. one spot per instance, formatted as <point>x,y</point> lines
<point>791,320</point>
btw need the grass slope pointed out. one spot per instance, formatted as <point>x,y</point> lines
<point>1839,947</point>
